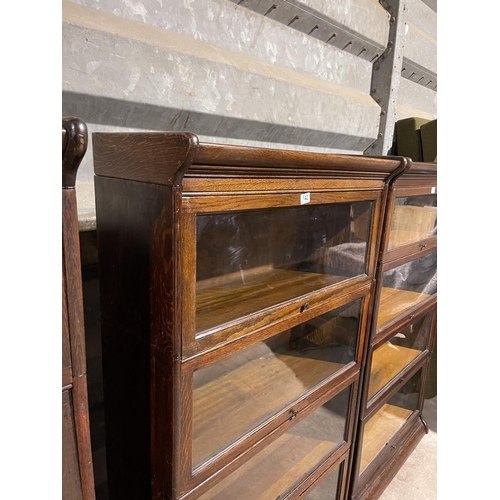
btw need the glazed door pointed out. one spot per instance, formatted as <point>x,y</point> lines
<point>256,260</point>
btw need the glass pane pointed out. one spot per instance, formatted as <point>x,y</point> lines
<point>393,356</point>
<point>248,261</point>
<point>385,424</point>
<point>414,218</point>
<point>288,460</point>
<point>328,488</point>
<point>236,394</point>
<point>405,286</point>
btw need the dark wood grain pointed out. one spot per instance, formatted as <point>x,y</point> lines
<point>67,375</point>
<point>71,483</point>
<point>82,428</point>
<point>136,239</point>
<point>134,279</point>
<point>78,481</point>
<point>166,157</point>
<point>420,171</point>
<point>73,282</point>
<point>234,156</point>
<point>148,157</point>
<point>126,386</point>
<point>142,425</point>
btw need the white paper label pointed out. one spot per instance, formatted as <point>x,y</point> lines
<point>433,190</point>
<point>305,198</point>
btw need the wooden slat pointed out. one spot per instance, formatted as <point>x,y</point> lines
<point>263,200</point>
<point>216,154</point>
<point>71,482</point>
<point>394,302</point>
<point>387,361</point>
<point>67,373</point>
<point>218,302</point>
<point>379,430</point>
<point>76,429</point>
<point>235,185</point>
<point>235,402</point>
<point>73,282</point>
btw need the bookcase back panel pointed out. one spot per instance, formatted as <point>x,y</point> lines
<point>414,218</point>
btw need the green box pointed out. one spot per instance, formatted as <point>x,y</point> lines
<point>408,141</point>
<point>428,135</point>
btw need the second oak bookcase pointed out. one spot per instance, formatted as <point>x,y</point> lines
<point>402,333</point>
<point>236,285</point>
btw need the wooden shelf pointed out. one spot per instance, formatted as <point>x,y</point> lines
<point>234,296</point>
<point>394,302</point>
<point>379,430</point>
<point>387,361</point>
<point>248,390</point>
<point>273,471</point>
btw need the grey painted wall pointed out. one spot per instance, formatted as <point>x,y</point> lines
<point>295,76</point>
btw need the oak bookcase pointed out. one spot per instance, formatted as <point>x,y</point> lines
<point>236,288</point>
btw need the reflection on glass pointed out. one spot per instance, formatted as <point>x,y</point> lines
<point>387,421</point>
<point>288,460</point>
<point>236,394</point>
<point>405,286</point>
<point>393,356</point>
<point>248,261</point>
<point>414,218</point>
<point>329,487</point>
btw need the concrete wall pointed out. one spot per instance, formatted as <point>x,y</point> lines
<point>417,93</point>
<point>282,73</point>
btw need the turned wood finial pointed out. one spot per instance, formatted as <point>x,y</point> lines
<point>74,146</point>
